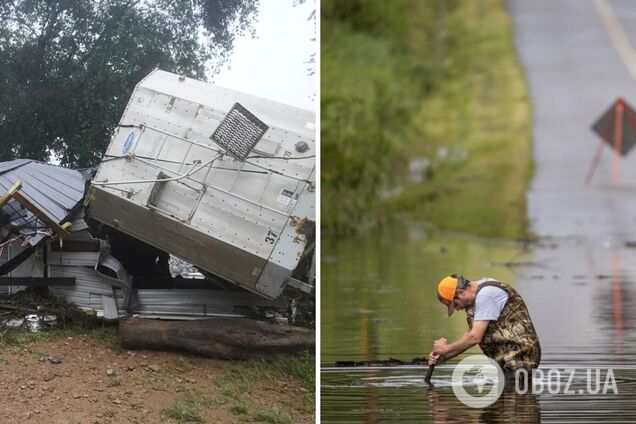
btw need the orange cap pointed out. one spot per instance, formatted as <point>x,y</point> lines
<point>446,293</point>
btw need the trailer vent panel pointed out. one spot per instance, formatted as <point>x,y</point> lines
<point>239,132</point>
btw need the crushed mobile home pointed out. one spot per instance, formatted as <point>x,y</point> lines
<point>220,179</point>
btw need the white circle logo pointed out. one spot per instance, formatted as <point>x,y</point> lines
<point>477,381</point>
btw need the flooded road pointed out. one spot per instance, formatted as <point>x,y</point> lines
<point>380,303</point>
<point>575,71</point>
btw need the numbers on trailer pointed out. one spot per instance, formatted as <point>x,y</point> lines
<point>271,237</point>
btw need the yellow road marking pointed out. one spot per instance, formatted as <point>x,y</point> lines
<point>617,35</point>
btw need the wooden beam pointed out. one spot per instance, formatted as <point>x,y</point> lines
<point>9,194</point>
<point>42,216</point>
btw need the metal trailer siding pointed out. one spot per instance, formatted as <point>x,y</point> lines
<point>168,234</point>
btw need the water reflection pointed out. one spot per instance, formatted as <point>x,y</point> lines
<point>509,408</point>
<point>378,302</point>
<point>378,294</point>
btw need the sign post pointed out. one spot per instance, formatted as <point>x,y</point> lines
<point>617,128</point>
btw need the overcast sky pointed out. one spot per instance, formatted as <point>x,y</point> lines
<point>273,64</point>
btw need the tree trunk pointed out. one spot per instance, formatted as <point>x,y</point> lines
<point>227,338</point>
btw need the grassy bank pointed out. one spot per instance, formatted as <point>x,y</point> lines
<point>425,113</point>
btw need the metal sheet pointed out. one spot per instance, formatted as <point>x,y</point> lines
<point>109,307</point>
<point>73,258</point>
<point>200,302</point>
<point>110,262</point>
<point>12,164</point>
<point>90,287</point>
<point>54,190</point>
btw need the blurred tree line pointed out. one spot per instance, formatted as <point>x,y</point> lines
<point>379,59</point>
<point>68,67</point>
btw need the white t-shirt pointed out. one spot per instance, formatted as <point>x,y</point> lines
<point>489,302</point>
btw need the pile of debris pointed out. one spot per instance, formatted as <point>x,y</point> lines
<point>38,310</point>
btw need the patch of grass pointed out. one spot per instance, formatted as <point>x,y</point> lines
<point>237,383</point>
<point>188,408</point>
<point>184,412</point>
<point>228,390</point>
<point>272,417</point>
<point>239,409</point>
<point>283,367</point>
<point>107,335</point>
<point>251,413</point>
<point>18,337</point>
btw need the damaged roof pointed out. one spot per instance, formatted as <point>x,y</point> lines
<point>48,195</point>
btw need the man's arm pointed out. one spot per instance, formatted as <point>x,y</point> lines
<point>445,350</point>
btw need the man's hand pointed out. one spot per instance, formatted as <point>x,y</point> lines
<point>441,346</point>
<point>437,355</point>
<point>434,358</point>
<point>442,350</point>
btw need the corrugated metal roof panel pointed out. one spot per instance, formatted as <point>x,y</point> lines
<point>68,189</point>
<point>54,190</point>
<point>12,164</point>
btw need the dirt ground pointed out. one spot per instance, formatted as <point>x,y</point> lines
<point>80,378</point>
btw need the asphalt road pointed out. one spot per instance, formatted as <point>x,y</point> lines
<point>580,284</point>
<point>577,56</point>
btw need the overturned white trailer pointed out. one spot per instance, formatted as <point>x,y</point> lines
<point>219,178</point>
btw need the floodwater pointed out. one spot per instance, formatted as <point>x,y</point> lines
<point>378,302</point>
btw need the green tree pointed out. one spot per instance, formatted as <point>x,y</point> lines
<point>68,67</point>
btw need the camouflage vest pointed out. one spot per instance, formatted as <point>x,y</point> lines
<point>511,340</point>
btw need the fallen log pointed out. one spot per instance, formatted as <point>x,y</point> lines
<point>226,338</point>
